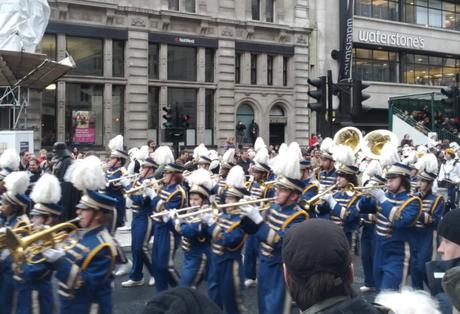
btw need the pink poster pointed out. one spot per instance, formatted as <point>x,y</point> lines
<point>84,127</point>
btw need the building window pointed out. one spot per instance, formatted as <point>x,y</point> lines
<point>88,55</point>
<point>269,11</point>
<point>181,63</point>
<point>209,65</point>
<point>433,13</point>
<point>173,5</point>
<point>118,58</point>
<point>49,117</point>
<point>375,65</point>
<point>118,107</point>
<point>190,6</point>
<point>269,70</point>
<point>237,68</point>
<point>380,9</point>
<point>255,8</point>
<point>285,71</point>
<point>183,101</point>
<point>84,114</point>
<point>209,116</point>
<point>154,60</point>
<point>253,69</point>
<point>48,46</point>
<point>153,109</point>
<point>429,70</point>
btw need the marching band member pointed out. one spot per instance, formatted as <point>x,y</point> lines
<point>14,206</point>
<point>194,241</point>
<point>258,189</point>
<point>311,186</point>
<point>327,175</point>
<point>170,196</point>
<point>367,207</point>
<point>84,272</point>
<point>228,161</point>
<point>423,246</point>
<point>9,162</point>
<point>271,228</point>
<point>449,177</point>
<point>398,213</point>
<point>117,161</point>
<point>33,280</point>
<point>141,226</point>
<point>226,245</point>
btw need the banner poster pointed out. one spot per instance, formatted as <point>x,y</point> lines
<point>346,39</point>
<point>84,126</point>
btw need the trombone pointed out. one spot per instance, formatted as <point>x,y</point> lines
<point>134,175</point>
<point>215,206</point>
<point>166,212</point>
<point>306,204</point>
<point>27,248</point>
<point>350,188</point>
<point>142,187</point>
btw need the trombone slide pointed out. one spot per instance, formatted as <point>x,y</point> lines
<point>166,212</point>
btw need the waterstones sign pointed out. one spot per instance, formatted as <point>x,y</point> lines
<point>391,39</point>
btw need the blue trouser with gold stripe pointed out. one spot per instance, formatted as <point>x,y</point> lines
<point>251,250</point>
<point>7,287</point>
<point>165,243</point>
<point>141,232</point>
<point>35,298</point>
<point>367,253</point>
<point>229,275</point>
<point>421,252</point>
<point>391,261</point>
<point>193,269</point>
<point>271,289</point>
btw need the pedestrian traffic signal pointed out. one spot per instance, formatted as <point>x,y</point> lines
<point>453,94</point>
<point>320,94</point>
<point>185,121</point>
<point>167,117</point>
<point>358,97</point>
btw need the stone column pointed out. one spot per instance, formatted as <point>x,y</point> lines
<point>108,54</point>
<point>108,114</point>
<point>163,62</point>
<point>60,97</point>
<point>200,75</point>
<point>278,70</point>
<point>200,116</point>
<point>262,69</point>
<point>245,68</point>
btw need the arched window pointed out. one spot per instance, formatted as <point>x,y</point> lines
<point>245,115</point>
<point>277,111</point>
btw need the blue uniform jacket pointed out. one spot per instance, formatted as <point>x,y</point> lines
<point>170,197</point>
<point>433,206</point>
<point>141,205</point>
<point>194,238</point>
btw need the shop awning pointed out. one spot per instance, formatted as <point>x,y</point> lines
<point>30,70</point>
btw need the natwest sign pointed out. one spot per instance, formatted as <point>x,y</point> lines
<point>391,39</point>
<point>183,40</point>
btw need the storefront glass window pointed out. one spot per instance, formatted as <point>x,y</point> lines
<point>269,10</point>
<point>84,114</point>
<point>209,65</point>
<point>255,8</point>
<point>118,59</point>
<point>153,109</point>
<point>375,65</point>
<point>183,101</point>
<point>433,13</point>
<point>285,71</point>
<point>181,63</point>
<point>253,69</point>
<point>48,46</point>
<point>237,68</point>
<point>209,116</point>
<point>49,117</point>
<point>269,70</point>
<point>380,9</point>
<point>154,57</point>
<point>429,70</point>
<point>118,101</point>
<point>88,54</point>
<point>190,6</point>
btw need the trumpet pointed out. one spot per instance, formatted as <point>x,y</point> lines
<point>350,188</point>
<point>166,212</point>
<point>26,249</point>
<point>215,206</point>
<point>142,187</point>
<point>306,204</point>
<point>134,175</point>
<point>21,230</point>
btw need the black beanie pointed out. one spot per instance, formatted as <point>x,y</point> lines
<point>449,227</point>
<point>181,300</point>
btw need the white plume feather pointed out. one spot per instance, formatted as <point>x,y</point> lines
<point>410,159</point>
<point>88,175</point>
<point>427,163</point>
<point>283,148</point>
<point>343,154</point>
<point>17,182</point>
<point>116,143</point>
<point>69,172</point>
<point>259,144</point>
<point>229,156</point>
<point>287,164</point>
<point>373,168</point>
<point>327,145</point>
<point>295,147</point>
<point>201,177</point>
<point>46,190</point>
<point>236,177</point>
<point>261,156</point>
<point>200,150</point>
<point>9,159</point>
<point>133,152</point>
<point>163,155</point>
<point>142,153</point>
<point>389,155</point>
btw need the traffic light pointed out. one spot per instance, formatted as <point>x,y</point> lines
<point>320,94</point>
<point>185,121</point>
<point>167,117</point>
<point>453,94</point>
<point>358,97</point>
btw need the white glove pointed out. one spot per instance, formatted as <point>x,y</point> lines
<point>166,217</point>
<point>125,182</point>
<point>330,200</point>
<point>129,202</point>
<point>208,219</point>
<point>4,254</point>
<point>378,194</point>
<point>172,213</point>
<point>252,212</point>
<point>53,255</point>
<point>149,192</point>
